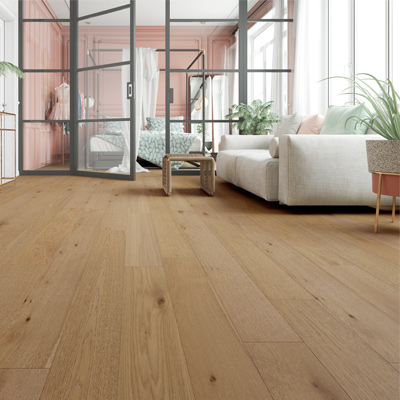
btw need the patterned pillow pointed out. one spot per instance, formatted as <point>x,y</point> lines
<point>112,127</point>
<point>158,124</point>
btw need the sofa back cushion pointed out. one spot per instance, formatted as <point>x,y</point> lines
<point>311,125</point>
<point>289,125</point>
<point>340,120</point>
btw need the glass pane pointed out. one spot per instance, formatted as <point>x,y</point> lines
<point>340,50</point>
<point>87,7</point>
<point>100,146</point>
<point>216,39</point>
<point>151,13</point>
<point>271,86</point>
<point>106,90</point>
<point>102,39</point>
<point>371,13</point>
<point>269,9</point>
<point>269,45</point>
<point>46,45</point>
<point>8,148</point>
<point>194,9</point>
<point>45,96</point>
<point>54,9</point>
<point>46,147</point>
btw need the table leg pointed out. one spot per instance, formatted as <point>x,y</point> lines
<point>378,200</point>
<point>394,208</point>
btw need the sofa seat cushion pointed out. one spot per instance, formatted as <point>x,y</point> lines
<point>253,170</point>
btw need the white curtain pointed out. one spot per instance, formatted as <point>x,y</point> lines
<point>277,85</point>
<point>207,103</point>
<point>233,84</point>
<point>220,107</point>
<point>311,61</point>
<point>147,77</point>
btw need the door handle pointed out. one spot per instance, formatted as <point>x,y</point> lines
<point>171,95</point>
<point>129,90</point>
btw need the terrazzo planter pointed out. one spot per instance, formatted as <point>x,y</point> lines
<point>383,156</point>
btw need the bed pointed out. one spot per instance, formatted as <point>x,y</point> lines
<point>151,146</point>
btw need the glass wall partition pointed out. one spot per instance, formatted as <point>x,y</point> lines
<point>44,93</point>
<point>77,97</point>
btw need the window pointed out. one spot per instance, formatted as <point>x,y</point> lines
<point>360,42</point>
<point>268,50</point>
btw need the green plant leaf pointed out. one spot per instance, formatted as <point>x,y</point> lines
<point>6,67</point>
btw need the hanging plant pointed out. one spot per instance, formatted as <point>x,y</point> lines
<point>256,119</point>
<point>7,67</point>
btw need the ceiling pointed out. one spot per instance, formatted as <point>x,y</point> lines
<point>151,12</point>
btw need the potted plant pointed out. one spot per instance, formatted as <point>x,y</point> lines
<point>255,119</point>
<point>381,103</point>
<point>6,67</point>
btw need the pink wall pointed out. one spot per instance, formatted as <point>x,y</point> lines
<point>43,49</point>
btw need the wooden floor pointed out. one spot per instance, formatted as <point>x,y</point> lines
<point>110,290</point>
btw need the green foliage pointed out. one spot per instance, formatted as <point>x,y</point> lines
<point>255,119</point>
<point>6,67</point>
<point>382,107</point>
<point>201,127</point>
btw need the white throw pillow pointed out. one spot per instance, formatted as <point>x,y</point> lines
<point>289,125</point>
<point>274,147</point>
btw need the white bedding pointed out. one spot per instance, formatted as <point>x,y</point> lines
<point>97,144</point>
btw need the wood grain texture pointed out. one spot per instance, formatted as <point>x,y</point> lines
<point>153,365</point>
<point>219,365</point>
<point>22,384</point>
<point>122,292</point>
<point>292,372</point>
<point>361,372</point>
<point>86,364</point>
<point>251,312</point>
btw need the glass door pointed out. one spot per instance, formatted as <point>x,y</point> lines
<point>105,133</point>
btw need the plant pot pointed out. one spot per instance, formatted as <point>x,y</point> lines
<point>383,156</point>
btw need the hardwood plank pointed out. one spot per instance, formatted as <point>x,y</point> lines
<point>368,245</point>
<point>396,366</point>
<point>40,307</point>
<point>379,293</point>
<point>141,242</point>
<point>292,372</point>
<point>22,384</point>
<point>153,365</point>
<point>219,365</point>
<point>374,326</point>
<point>363,224</point>
<point>361,372</point>
<point>171,240</point>
<point>251,312</point>
<point>86,364</point>
<point>266,274</point>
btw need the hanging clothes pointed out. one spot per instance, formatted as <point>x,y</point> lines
<point>61,108</point>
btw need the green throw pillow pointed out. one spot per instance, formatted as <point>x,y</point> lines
<point>337,121</point>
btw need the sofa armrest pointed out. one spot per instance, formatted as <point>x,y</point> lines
<point>243,142</point>
<point>325,170</point>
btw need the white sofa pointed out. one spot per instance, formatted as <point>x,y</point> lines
<point>310,170</point>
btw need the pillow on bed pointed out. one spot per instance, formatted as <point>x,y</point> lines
<point>158,124</point>
<point>112,127</point>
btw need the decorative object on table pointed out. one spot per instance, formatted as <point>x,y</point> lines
<point>381,105</point>
<point>255,119</point>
